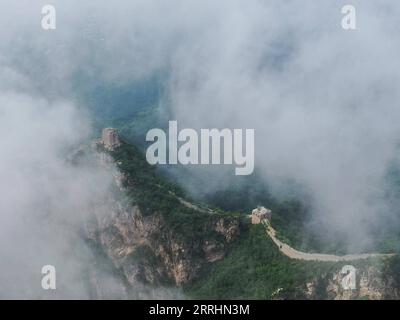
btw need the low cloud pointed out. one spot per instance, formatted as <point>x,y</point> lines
<point>322,100</point>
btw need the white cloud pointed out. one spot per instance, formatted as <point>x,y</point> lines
<point>323,100</point>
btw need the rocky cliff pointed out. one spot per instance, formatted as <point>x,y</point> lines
<point>370,284</point>
<point>165,241</point>
<point>146,250</point>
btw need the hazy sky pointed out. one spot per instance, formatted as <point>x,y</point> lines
<point>323,101</point>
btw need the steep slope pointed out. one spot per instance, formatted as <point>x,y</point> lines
<point>151,234</point>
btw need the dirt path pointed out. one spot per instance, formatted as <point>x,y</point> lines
<point>295,254</point>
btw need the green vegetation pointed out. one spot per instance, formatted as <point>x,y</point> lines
<point>153,193</point>
<point>291,217</point>
<point>392,268</point>
<point>255,269</point>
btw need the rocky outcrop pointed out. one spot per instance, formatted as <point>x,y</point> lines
<point>145,250</point>
<point>369,284</point>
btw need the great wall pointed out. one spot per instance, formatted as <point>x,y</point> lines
<point>263,216</point>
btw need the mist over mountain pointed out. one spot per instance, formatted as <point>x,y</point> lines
<point>323,102</point>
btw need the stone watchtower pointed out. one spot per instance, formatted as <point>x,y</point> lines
<point>259,214</point>
<point>110,139</point>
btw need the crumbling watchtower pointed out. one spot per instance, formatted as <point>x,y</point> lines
<point>110,138</point>
<point>259,214</point>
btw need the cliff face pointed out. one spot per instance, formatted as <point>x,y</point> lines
<point>147,247</point>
